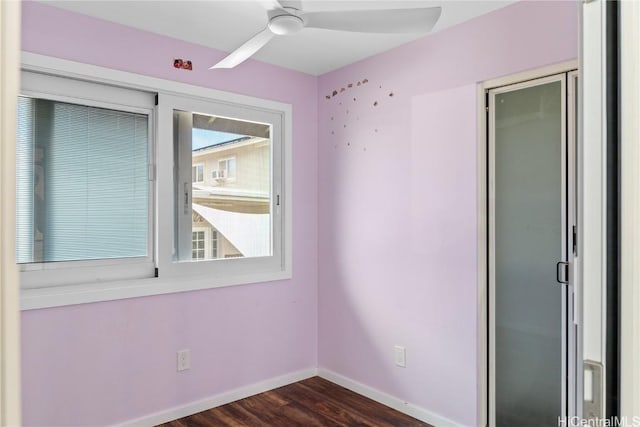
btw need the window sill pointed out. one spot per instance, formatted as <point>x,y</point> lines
<point>37,298</point>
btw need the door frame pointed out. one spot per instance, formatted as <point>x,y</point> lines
<point>482,225</point>
<point>9,281</point>
<point>630,244</point>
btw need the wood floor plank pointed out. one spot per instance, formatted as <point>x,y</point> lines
<point>317,403</point>
<point>362,409</point>
<point>314,402</point>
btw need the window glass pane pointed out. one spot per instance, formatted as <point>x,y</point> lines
<point>232,201</point>
<point>82,182</point>
<point>196,173</point>
<point>231,167</point>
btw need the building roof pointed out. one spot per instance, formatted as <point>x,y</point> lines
<point>205,138</point>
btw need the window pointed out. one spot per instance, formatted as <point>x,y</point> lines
<point>214,244</point>
<point>226,169</point>
<point>241,196</point>
<point>204,243</point>
<point>199,241</point>
<point>197,173</point>
<point>82,182</point>
<point>124,192</point>
<point>82,185</point>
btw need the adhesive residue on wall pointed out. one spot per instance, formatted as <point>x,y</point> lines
<point>353,101</point>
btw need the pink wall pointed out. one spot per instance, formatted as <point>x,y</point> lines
<point>104,363</point>
<point>397,198</point>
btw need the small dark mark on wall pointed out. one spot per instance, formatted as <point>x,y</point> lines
<point>359,84</point>
<point>335,92</point>
<point>328,96</point>
<point>391,94</point>
<point>365,81</point>
<point>342,90</point>
<point>375,104</point>
<point>350,85</point>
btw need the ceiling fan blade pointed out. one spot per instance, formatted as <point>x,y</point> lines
<point>245,51</point>
<point>293,4</point>
<point>390,21</point>
<point>270,4</point>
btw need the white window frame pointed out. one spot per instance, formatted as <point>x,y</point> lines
<point>200,275</point>
<point>218,271</point>
<point>61,89</point>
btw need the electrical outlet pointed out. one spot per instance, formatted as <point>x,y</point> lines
<point>401,356</point>
<point>184,360</point>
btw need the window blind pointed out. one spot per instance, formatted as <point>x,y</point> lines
<point>82,182</point>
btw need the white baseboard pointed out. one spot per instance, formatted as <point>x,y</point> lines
<point>388,400</point>
<point>272,383</point>
<point>220,399</point>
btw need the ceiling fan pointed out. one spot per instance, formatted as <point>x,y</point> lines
<point>287,17</point>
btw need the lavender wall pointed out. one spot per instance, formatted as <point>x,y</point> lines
<point>391,187</point>
<point>397,199</point>
<point>104,363</point>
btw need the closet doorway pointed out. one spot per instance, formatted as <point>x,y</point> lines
<point>531,205</point>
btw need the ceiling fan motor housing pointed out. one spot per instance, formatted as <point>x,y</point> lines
<point>285,24</point>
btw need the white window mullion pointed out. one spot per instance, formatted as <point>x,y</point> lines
<point>184,191</point>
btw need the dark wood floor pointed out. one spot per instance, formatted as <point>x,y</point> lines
<point>312,402</point>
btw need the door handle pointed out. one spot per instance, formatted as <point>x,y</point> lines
<point>562,272</point>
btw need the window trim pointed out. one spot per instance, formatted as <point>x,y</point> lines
<point>77,294</point>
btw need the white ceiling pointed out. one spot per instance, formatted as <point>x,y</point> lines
<point>225,25</point>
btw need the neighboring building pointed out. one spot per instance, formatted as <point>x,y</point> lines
<point>231,195</point>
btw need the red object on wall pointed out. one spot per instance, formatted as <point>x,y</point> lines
<point>184,64</point>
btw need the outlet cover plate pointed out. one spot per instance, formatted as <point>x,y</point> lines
<point>401,356</point>
<point>184,360</point>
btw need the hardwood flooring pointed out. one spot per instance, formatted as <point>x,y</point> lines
<point>311,402</point>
